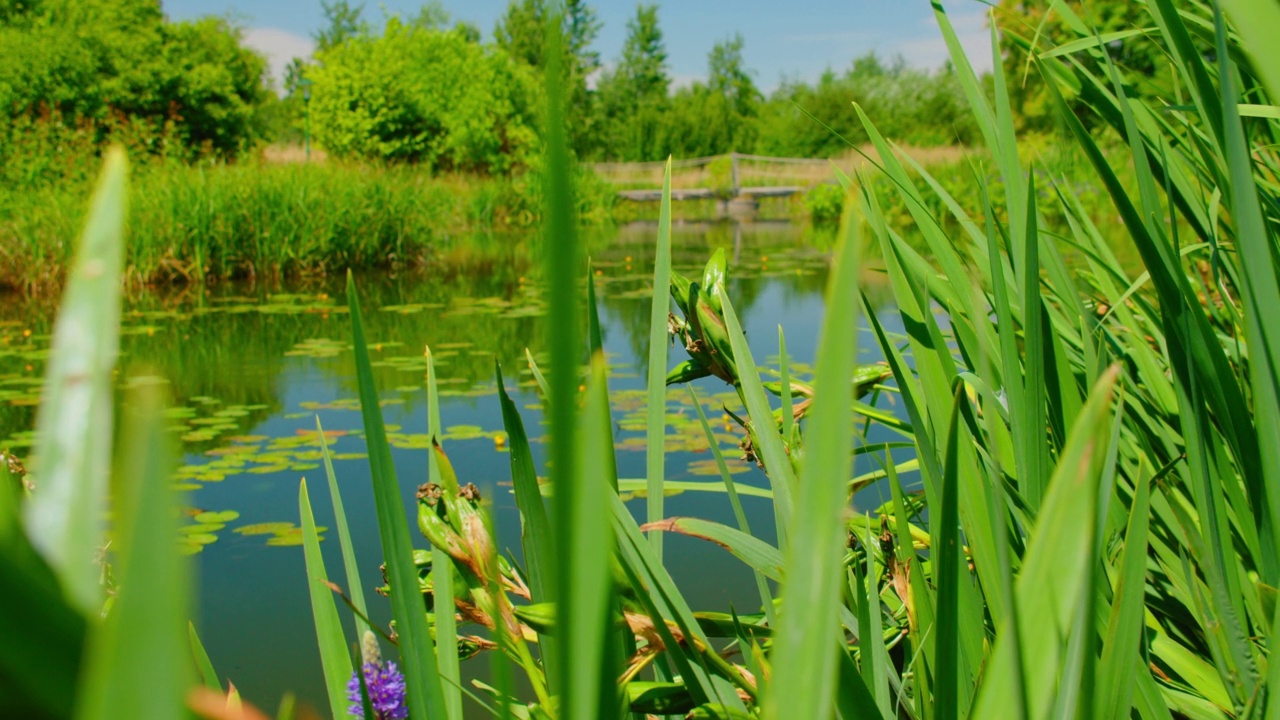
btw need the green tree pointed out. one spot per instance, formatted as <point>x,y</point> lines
<point>521,33</point>
<point>912,106</point>
<point>344,22</point>
<point>431,96</point>
<point>633,95</point>
<point>717,116</point>
<point>121,68</point>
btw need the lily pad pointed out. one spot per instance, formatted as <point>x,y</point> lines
<point>223,517</point>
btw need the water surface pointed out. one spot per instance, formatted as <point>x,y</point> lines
<point>250,368</point>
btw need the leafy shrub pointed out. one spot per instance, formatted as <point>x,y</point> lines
<point>419,94</point>
<point>825,203</point>
<point>111,64</point>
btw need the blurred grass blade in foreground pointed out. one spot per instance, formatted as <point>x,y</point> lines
<point>64,518</point>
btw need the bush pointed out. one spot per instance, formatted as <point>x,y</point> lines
<point>419,94</point>
<point>825,203</point>
<point>111,64</point>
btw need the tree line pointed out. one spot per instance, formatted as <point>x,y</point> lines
<point>426,89</point>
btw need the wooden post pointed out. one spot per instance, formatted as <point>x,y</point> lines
<point>737,189</point>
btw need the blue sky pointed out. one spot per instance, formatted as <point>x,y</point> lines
<point>782,39</point>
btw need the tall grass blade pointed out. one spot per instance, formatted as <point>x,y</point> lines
<point>535,528</point>
<point>204,666</point>
<point>1056,567</point>
<point>805,652</point>
<point>334,657</point>
<point>1032,430</point>
<point>784,380</point>
<point>1256,20</point>
<point>731,488</point>
<point>655,443</point>
<point>417,651</point>
<point>442,567</point>
<point>137,663</point>
<point>587,596</point>
<point>74,425</point>
<point>1114,699</point>
<point>946,690</point>
<point>769,444</point>
<point>1261,292</point>
<point>871,650</point>
<point>355,588</point>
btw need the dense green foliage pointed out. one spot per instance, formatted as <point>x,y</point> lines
<point>422,94</point>
<point>258,219</point>
<point>1142,64</point>
<point>120,68</point>
<point>918,107</point>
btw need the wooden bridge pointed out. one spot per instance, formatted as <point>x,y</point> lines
<point>736,180</point>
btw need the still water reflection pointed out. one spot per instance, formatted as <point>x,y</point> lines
<point>251,367</point>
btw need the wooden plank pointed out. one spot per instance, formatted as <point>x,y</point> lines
<point>773,191</point>
<point>654,195</point>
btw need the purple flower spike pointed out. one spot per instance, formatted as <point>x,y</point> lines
<point>386,692</point>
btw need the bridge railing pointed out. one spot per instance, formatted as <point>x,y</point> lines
<point>742,170</point>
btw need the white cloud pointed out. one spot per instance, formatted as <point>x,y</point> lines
<point>279,47</point>
<point>931,51</point>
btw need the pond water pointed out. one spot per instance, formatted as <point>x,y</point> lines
<point>250,367</point>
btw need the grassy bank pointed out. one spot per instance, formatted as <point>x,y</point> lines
<point>191,223</point>
<point>274,216</point>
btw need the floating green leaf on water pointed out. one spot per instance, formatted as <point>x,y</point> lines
<point>201,529</point>
<point>224,516</point>
<point>270,528</point>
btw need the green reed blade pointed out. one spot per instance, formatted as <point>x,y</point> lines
<point>136,662</point>
<point>655,437</point>
<point>204,666</point>
<point>587,587</point>
<point>442,566</point>
<point>731,488</point>
<point>595,339</point>
<point>756,553</point>
<point>74,424</point>
<point>355,588</point>
<point>1032,421</point>
<point>1056,567</point>
<point>658,594</point>
<point>920,615</point>
<point>946,691</point>
<point>876,664</point>
<point>44,636</point>
<point>561,253</point>
<point>777,464</point>
<point>535,529</point>
<point>853,698</point>
<point>417,650</point>
<point>1114,698</point>
<point>538,377</point>
<point>1261,291</point>
<point>804,657</point>
<point>334,657</point>
<point>784,381</point>
<point>1189,334</point>
<point>1256,20</point>
<point>630,486</point>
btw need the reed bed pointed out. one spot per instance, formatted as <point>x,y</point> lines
<point>269,219</point>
